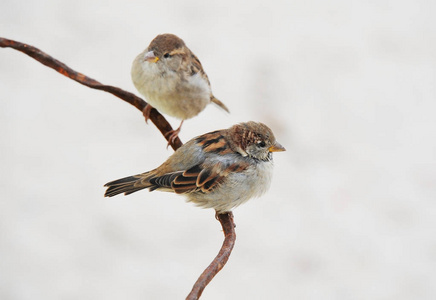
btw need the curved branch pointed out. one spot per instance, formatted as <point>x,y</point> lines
<point>164,127</point>
<point>220,260</point>
<point>158,120</point>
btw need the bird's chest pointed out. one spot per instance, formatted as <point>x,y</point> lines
<point>256,180</point>
<point>171,93</point>
<point>238,188</point>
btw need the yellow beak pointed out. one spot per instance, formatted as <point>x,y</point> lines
<point>150,57</point>
<point>276,148</point>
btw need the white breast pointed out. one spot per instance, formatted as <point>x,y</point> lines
<point>168,92</point>
<point>237,189</point>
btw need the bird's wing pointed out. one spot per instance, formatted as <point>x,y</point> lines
<point>198,178</point>
<point>196,67</point>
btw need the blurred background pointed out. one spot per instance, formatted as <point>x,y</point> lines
<point>349,89</point>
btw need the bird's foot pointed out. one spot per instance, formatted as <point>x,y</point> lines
<point>173,134</point>
<point>146,112</point>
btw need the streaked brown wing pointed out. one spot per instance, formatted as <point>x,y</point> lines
<point>196,67</point>
<point>214,142</point>
<point>163,181</point>
<point>205,179</point>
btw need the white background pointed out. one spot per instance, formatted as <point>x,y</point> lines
<point>348,87</point>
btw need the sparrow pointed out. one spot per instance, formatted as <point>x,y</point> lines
<point>220,169</point>
<point>172,80</point>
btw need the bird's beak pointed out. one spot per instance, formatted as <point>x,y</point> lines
<point>276,148</point>
<point>150,57</point>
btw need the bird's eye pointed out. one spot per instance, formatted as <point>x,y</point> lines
<point>166,55</point>
<point>261,144</point>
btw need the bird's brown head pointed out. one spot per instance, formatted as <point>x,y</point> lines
<point>166,45</point>
<point>255,140</point>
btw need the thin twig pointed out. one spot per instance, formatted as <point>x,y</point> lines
<point>220,260</point>
<point>164,127</point>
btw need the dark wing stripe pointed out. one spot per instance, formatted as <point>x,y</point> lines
<point>210,184</point>
<point>220,149</point>
<point>203,137</point>
<point>203,177</point>
<point>192,172</point>
<point>164,180</point>
<point>183,188</point>
<point>212,141</point>
<point>184,180</point>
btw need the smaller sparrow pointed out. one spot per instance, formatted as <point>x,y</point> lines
<point>220,169</point>
<point>172,80</point>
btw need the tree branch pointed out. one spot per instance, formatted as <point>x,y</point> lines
<point>164,127</point>
<point>220,260</point>
<point>157,119</point>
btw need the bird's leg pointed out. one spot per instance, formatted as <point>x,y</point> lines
<point>146,112</point>
<point>173,134</point>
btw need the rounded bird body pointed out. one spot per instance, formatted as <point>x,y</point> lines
<point>220,169</point>
<point>172,80</point>
<point>238,187</point>
<point>171,92</point>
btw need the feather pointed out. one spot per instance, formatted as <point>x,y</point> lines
<point>219,103</point>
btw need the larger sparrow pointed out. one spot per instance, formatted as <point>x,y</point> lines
<point>172,80</point>
<point>220,169</point>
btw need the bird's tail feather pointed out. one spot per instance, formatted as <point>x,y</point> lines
<point>220,104</point>
<point>127,185</point>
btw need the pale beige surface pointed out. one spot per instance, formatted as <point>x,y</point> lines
<point>349,89</point>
